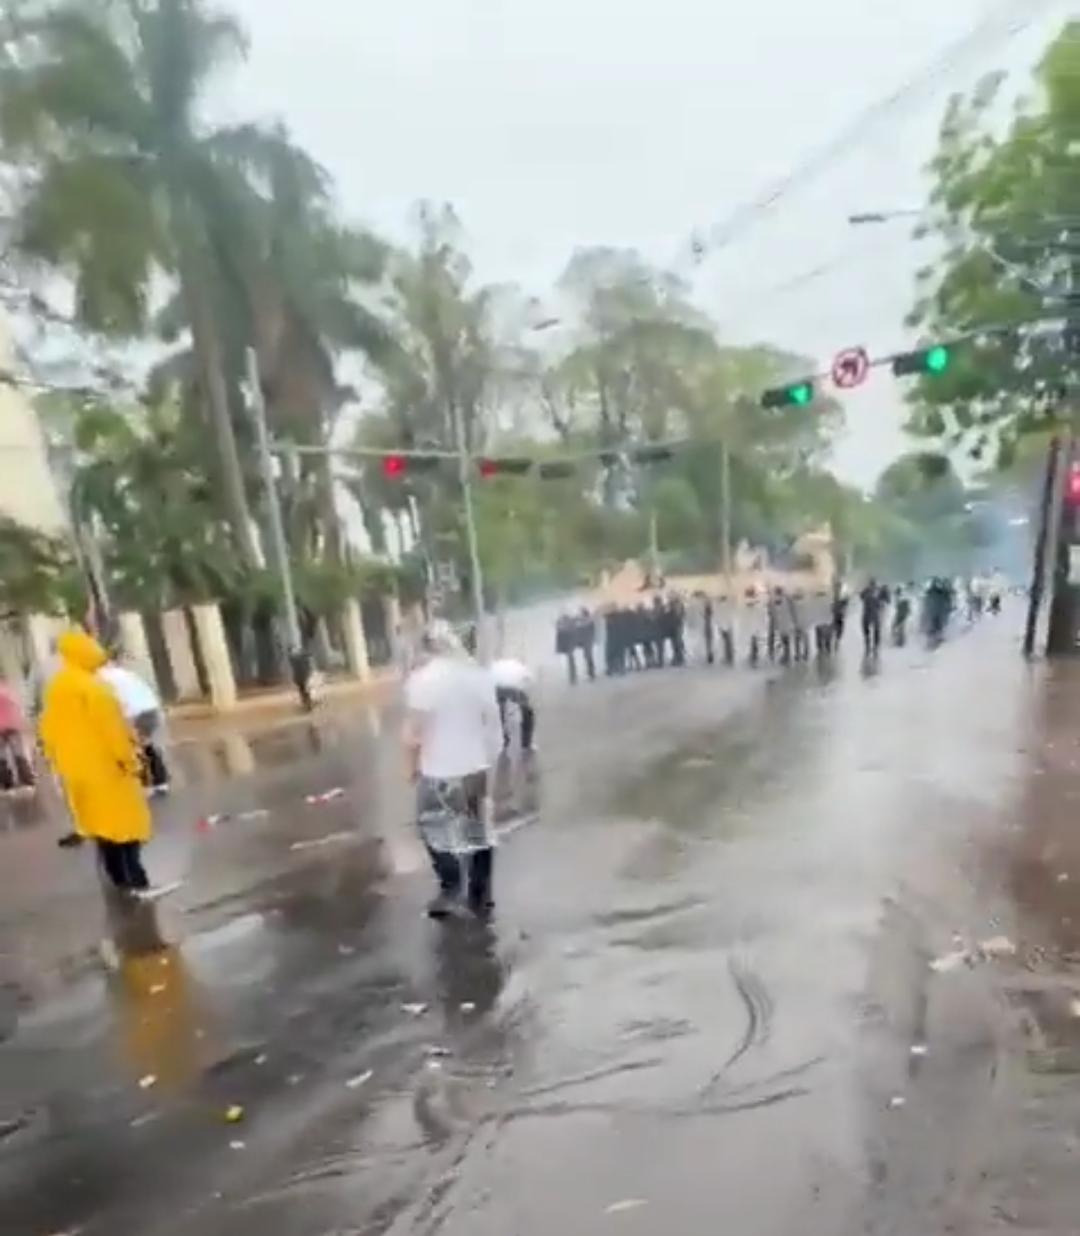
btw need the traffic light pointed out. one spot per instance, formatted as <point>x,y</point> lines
<point>934,360</point>
<point>1072,485</point>
<point>396,467</point>
<point>556,470</point>
<point>797,394</point>
<point>651,454</point>
<point>512,465</point>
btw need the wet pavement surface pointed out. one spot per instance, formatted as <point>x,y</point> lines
<point>707,1001</point>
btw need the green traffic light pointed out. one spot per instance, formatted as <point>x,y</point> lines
<point>802,394</point>
<point>938,358</point>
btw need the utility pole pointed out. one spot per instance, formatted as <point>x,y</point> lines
<point>277,526</point>
<point>84,541</point>
<point>1051,497</point>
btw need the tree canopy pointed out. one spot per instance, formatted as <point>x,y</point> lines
<point>1003,210</point>
<point>212,240</point>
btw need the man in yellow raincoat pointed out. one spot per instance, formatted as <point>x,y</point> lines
<point>95,755</point>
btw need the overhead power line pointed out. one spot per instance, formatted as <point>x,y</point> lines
<point>1004,23</point>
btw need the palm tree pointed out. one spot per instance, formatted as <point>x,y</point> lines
<point>294,290</point>
<point>120,179</point>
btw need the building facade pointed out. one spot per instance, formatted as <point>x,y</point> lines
<point>28,492</point>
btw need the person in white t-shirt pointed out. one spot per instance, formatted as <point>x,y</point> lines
<point>453,736</point>
<point>513,688</point>
<point>142,709</point>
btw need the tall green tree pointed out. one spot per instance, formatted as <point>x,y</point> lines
<point>121,177</point>
<point>38,574</point>
<point>1003,210</point>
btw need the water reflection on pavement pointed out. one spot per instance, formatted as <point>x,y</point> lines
<point>697,1007</point>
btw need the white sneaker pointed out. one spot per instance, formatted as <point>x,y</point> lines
<point>156,891</point>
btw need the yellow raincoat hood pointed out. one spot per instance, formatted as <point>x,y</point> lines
<point>81,650</point>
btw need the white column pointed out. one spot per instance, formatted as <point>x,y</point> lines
<point>215,655</point>
<point>356,651</point>
<point>11,668</point>
<point>136,649</point>
<point>41,632</point>
<point>394,633</point>
<point>239,757</point>
<point>174,628</point>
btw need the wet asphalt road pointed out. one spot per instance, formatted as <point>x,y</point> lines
<point>718,897</point>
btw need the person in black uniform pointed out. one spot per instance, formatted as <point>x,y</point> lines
<point>872,599</point>
<point>566,645</point>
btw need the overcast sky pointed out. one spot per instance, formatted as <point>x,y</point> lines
<point>555,124</point>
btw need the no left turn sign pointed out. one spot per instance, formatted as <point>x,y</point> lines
<point>850,368</point>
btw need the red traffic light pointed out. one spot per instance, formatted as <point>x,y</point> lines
<point>394,467</point>
<point>504,465</point>
<point>1072,485</point>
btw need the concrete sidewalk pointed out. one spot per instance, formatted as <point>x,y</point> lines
<point>273,707</point>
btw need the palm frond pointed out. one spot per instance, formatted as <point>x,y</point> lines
<point>76,77</point>
<point>93,216</point>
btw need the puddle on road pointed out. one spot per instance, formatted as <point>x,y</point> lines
<point>707,785</point>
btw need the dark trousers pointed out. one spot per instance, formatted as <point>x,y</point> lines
<point>15,768</point>
<point>571,665</point>
<point>449,872</point>
<point>871,633</point>
<point>508,696</point>
<point>155,770</point>
<point>727,639</point>
<point>122,863</point>
<point>301,665</point>
<point>590,663</point>
<point>823,636</point>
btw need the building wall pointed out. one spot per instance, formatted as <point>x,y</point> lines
<point>27,490</point>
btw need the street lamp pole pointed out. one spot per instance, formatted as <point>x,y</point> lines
<point>725,509</point>
<point>476,579</point>
<point>273,503</point>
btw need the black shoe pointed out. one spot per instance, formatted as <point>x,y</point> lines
<point>443,906</point>
<point>70,841</point>
<point>482,908</point>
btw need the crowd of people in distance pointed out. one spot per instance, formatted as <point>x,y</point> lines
<point>780,625</point>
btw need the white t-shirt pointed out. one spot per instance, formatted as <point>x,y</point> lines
<point>511,673</point>
<point>452,703</point>
<point>135,696</point>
